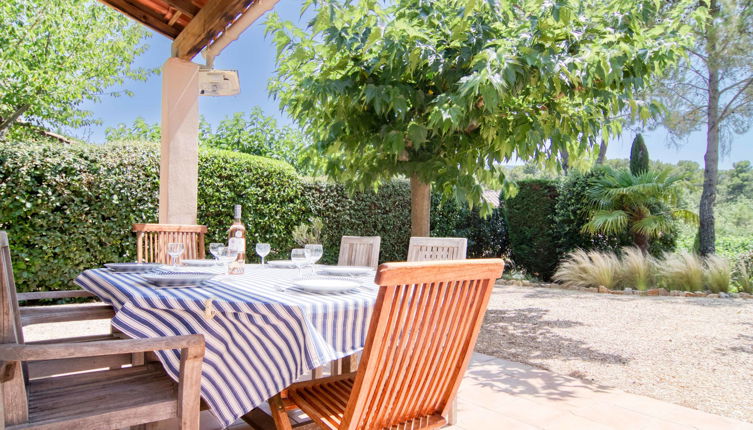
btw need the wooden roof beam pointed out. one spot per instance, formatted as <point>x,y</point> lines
<point>212,19</point>
<point>132,10</point>
<point>186,7</point>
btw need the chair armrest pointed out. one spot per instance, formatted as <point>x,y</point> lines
<point>23,352</point>
<point>63,313</point>
<point>42,295</point>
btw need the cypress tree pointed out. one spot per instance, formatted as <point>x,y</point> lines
<point>638,156</point>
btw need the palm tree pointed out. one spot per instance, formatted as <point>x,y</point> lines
<point>641,204</point>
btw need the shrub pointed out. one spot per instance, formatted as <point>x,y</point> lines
<point>71,207</point>
<point>742,272</point>
<point>530,218</point>
<point>588,269</point>
<point>636,269</point>
<point>717,273</point>
<point>681,271</point>
<point>386,213</point>
<point>572,212</point>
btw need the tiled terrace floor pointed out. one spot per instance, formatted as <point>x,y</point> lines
<point>500,394</point>
<point>505,395</point>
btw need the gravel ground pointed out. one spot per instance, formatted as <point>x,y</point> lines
<point>694,352</point>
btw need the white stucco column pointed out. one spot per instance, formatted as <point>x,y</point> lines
<point>179,163</point>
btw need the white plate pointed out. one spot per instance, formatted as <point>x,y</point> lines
<point>199,263</point>
<point>326,286</point>
<point>134,267</point>
<point>344,270</point>
<point>177,279</point>
<point>282,264</point>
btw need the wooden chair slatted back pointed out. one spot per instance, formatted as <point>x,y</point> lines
<point>359,251</point>
<point>437,248</point>
<point>420,340</point>
<point>152,240</point>
<point>15,404</point>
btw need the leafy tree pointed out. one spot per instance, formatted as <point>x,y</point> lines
<point>738,182</point>
<point>251,133</point>
<point>138,131</point>
<point>257,134</point>
<point>55,55</point>
<point>444,91</point>
<point>643,205</point>
<point>713,90</point>
<point>638,156</point>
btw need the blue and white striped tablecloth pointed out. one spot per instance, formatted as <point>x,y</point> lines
<point>258,339</point>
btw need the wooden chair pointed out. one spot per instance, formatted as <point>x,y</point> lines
<point>423,329</point>
<point>108,399</point>
<point>359,251</point>
<point>437,248</point>
<point>354,251</point>
<point>152,240</point>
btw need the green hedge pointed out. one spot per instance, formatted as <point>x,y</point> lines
<point>71,207</point>
<point>386,213</point>
<point>530,217</point>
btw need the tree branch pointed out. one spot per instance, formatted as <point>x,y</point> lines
<point>726,109</point>
<point>7,122</point>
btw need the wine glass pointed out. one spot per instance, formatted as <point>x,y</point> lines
<point>299,257</point>
<point>214,249</point>
<point>315,253</point>
<point>175,250</point>
<point>263,250</point>
<point>227,254</point>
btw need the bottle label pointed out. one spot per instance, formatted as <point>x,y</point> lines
<point>237,242</point>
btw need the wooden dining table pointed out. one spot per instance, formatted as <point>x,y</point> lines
<point>261,334</point>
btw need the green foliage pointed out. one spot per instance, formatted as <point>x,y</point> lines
<point>742,272</point>
<point>737,183</point>
<point>68,208</point>
<point>573,211</point>
<point>639,160</point>
<point>54,56</point>
<point>308,233</point>
<point>270,192</point>
<point>386,213</point>
<point>138,131</point>
<point>530,219</point>
<point>257,134</point>
<point>449,89</point>
<point>589,269</point>
<point>250,133</point>
<point>642,205</point>
<point>487,236</point>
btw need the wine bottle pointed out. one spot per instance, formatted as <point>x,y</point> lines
<point>237,240</point>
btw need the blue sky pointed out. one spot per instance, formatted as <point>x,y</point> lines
<point>253,56</point>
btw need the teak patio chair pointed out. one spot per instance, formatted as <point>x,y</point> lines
<point>359,251</point>
<point>152,240</point>
<point>105,399</point>
<point>354,251</point>
<point>437,248</point>
<point>422,332</point>
<point>30,315</point>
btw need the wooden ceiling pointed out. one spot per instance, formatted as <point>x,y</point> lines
<point>192,24</point>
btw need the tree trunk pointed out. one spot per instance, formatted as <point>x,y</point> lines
<point>602,152</point>
<point>420,206</point>
<point>7,122</point>
<point>641,241</point>
<point>706,232</point>
<point>565,157</point>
